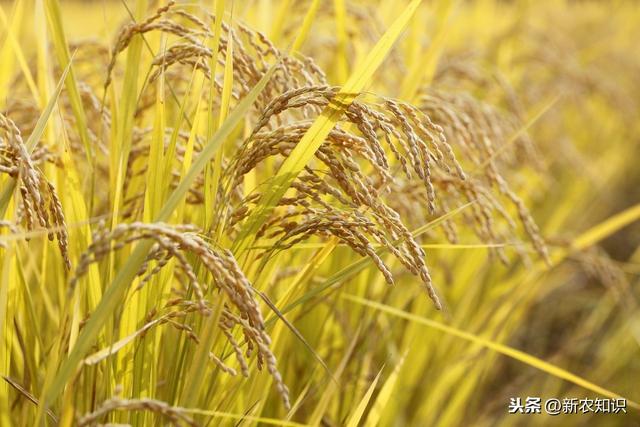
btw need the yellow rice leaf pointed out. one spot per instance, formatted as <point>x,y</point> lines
<point>34,137</point>
<point>309,18</point>
<point>114,293</point>
<point>342,67</point>
<point>212,126</point>
<point>123,120</point>
<point>385,394</point>
<point>511,352</point>
<point>5,356</point>
<point>607,228</point>
<point>100,355</point>
<point>595,234</point>
<point>61,47</point>
<point>281,15</point>
<point>6,54</point>
<point>356,415</point>
<point>225,102</point>
<point>17,50</point>
<point>153,193</point>
<point>331,390</point>
<point>422,71</point>
<point>301,397</point>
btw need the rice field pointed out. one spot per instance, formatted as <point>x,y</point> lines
<point>323,213</point>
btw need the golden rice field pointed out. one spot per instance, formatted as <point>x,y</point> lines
<point>324,213</point>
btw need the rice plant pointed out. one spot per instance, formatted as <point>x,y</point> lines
<point>295,212</point>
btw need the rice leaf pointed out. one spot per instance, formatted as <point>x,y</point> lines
<point>422,72</point>
<point>342,67</point>
<point>492,345</point>
<point>386,393</point>
<point>113,294</point>
<point>331,390</point>
<point>307,23</point>
<point>35,136</point>
<point>61,47</point>
<point>358,412</point>
<point>17,50</point>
